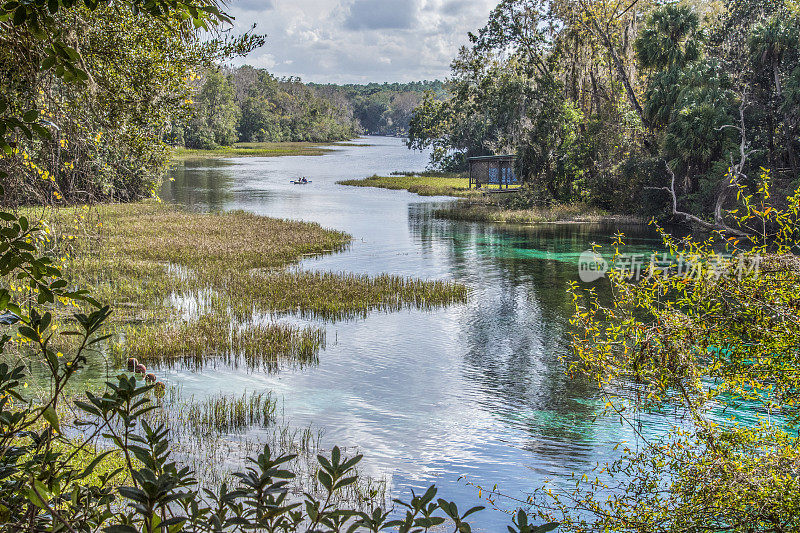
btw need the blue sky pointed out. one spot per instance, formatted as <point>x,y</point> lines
<point>359,41</point>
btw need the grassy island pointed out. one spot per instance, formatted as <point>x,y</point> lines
<point>261,149</point>
<point>435,184</point>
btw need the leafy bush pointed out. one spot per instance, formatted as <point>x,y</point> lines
<point>707,335</point>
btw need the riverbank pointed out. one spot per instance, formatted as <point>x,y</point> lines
<point>190,287</point>
<point>477,206</point>
<point>423,185</point>
<point>267,149</point>
<point>499,214</point>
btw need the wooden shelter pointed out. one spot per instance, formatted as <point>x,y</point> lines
<point>492,170</point>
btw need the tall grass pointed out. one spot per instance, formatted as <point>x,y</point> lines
<point>212,337</point>
<point>190,288</point>
<point>424,185</point>
<point>488,212</point>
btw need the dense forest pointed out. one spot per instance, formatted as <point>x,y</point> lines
<point>627,104</point>
<point>251,105</point>
<point>246,104</point>
<point>386,108</point>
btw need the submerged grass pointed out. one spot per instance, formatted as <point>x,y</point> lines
<point>214,337</point>
<point>215,436</point>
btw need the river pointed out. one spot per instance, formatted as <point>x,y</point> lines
<point>474,390</point>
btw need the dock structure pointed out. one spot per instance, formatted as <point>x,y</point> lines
<point>492,170</point>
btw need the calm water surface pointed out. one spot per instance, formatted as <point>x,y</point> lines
<point>473,390</point>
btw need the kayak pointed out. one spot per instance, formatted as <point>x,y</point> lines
<point>300,182</point>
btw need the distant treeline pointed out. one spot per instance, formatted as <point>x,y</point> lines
<point>246,104</point>
<point>386,108</point>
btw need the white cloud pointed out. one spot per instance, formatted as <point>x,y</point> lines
<point>359,40</point>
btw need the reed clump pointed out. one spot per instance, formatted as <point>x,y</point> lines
<point>336,296</point>
<point>213,337</point>
<point>225,413</point>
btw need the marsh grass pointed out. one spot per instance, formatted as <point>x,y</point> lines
<point>191,288</point>
<point>336,296</point>
<point>263,149</point>
<point>488,212</point>
<point>425,184</point>
<point>210,338</point>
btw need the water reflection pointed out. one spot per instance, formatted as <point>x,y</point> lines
<point>198,183</point>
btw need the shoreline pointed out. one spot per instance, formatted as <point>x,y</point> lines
<point>263,149</point>
<point>475,205</point>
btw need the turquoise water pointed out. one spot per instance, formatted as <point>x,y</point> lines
<point>474,390</point>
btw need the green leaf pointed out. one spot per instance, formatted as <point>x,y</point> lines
<point>48,63</point>
<point>51,416</point>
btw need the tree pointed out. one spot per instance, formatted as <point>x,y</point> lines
<point>710,337</point>
<point>216,114</point>
<point>100,87</point>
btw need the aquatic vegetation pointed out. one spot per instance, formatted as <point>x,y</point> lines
<point>424,185</point>
<point>489,212</point>
<point>214,337</point>
<point>260,149</point>
<point>336,296</point>
<point>226,413</point>
<point>216,435</point>
<point>191,287</point>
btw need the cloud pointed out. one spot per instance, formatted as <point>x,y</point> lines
<point>381,15</point>
<point>360,40</point>
<point>255,5</point>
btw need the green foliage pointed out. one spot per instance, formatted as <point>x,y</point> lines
<point>250,105</point>
<point>708,333</point>
<point>592,96</point>
<point>216,115</point>
<point>87,91</point>
<point>387,108</point>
